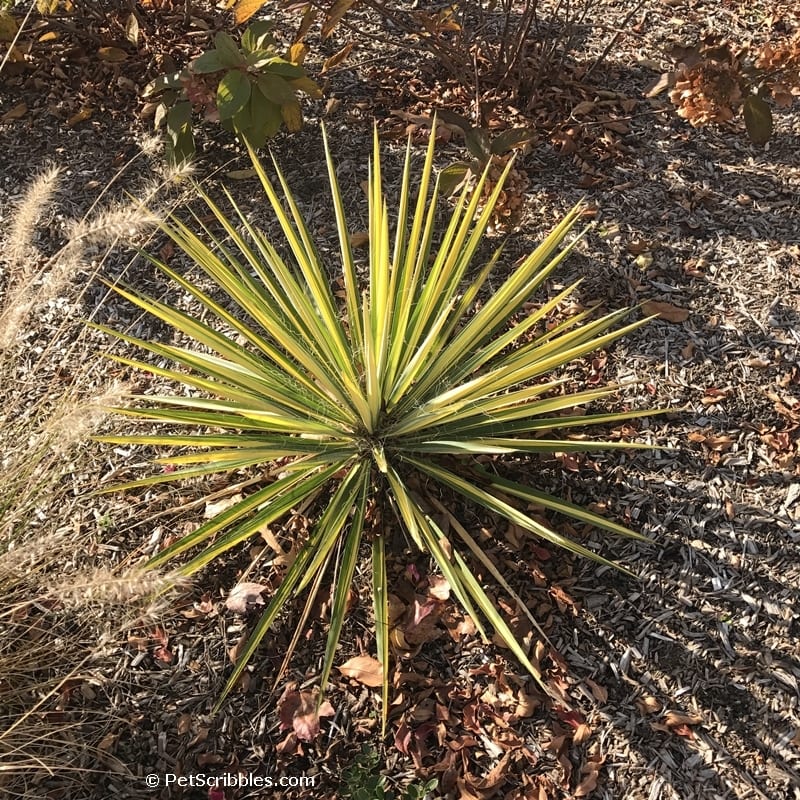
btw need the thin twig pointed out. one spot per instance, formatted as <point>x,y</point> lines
<point>607,49</point>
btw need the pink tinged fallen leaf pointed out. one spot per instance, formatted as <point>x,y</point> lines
<point>423,607</point>
<point>438,588</point>
<point>298,711</point>
<point>245,596</point>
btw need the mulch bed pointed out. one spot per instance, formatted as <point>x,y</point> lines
<point>680,685</point>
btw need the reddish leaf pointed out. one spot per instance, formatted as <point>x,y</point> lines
<point>298,710</point>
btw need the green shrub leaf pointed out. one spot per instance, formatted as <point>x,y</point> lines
<point>258,36</point>
<point>233,93</point>
<point>180,141</point>
<point>208,62</point>
<point>757,119</point>
<point>275,88</point>
<point>227,50</point>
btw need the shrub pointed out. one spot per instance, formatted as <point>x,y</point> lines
<point>716,79</point>
<point>398,385</point>
<point>491,153</point>
<point>251,90</point>
<point>507,45</point>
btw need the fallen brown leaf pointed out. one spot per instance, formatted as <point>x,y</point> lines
<point>15,112</point>
<point>600,693</point>
<point>665,311</point>
<point>337,58</point>
<point>112,54</point>
<point>590,771</point>
<point>364,669</point>
<point>438,587</point>
<point>212,509</point>
<point>235,651</point>
<point>648,704</point>
<point>675,719</point>
<point>582,733</point>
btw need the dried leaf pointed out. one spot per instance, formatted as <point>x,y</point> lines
<point>359,239</point>
<point>683,730</point>
<point>337,58</point>
<point>16,112</point>
<point>590,770</point>
<point>245,9</point>
<point>600,693</point>
<point>665,311</point>
<point>438,587</point>
<point>364,669</point>
<point>526,704</point>
<point>108,742</point>
<point>212,509</point>
<point>340,8</point>
<point>675,719</point>
<point>132,29</point>
<point>112,54</point>
<point>583,108</point>
<point>648,705</point>
<point>582,733</point>
<point>79,116</point>
<point>244,596</point>
<point>298,711</point>
<point>423,607</point>
<point>237,650</point>
<point>665,81</point>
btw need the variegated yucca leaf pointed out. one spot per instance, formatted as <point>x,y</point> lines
<point>355,392</point>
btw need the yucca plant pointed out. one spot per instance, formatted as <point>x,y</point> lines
<point>397,386</point>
